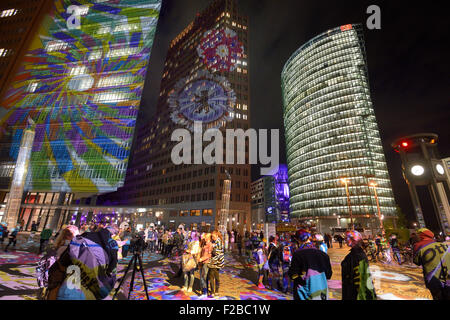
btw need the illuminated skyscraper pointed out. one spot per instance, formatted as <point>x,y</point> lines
<point>82,86</point>
<point>332,133</point>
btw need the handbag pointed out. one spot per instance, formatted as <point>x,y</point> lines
<point>189,263</point>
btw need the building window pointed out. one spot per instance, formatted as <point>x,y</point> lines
<point>195,213</point>
<point>8,13</point>
<point>207,212</point>
<point>184,213</point>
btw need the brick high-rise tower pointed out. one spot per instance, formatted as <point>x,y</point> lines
<point>192,193</point>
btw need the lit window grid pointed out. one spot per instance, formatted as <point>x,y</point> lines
<point>371,128</point>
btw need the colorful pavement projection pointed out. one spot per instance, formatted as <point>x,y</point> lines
<point>237,281</point>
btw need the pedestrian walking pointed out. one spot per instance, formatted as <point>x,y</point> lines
<point>434,258</point>
<point>12,237</point>
<point>357,281</point>
<point>310,269</point>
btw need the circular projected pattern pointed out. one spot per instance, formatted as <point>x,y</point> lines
<point>219,49</point>
<point>440,169</point>
<point>206,98</point>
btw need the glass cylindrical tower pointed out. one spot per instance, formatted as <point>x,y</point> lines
<point>332,134</point>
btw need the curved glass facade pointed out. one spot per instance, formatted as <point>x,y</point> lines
<point>331,130</point>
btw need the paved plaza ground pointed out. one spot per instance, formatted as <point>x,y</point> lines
<point>237,279</point>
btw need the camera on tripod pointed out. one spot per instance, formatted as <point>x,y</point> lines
<point>137,244</point>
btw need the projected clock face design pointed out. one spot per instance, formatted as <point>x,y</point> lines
<point>206,98</point>
<point>220,49</point>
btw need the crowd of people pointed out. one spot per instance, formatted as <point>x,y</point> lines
<point>295,263</point>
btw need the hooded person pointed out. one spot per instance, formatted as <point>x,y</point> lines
<point>310,268</point>
<point>357,281</point>
<point>91,261</point>
<point>434,257</point>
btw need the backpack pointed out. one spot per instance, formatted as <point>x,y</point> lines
<point>287,254</point>
<point>93,259</point>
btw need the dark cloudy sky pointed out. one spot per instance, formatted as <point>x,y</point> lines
<point>408,63</point>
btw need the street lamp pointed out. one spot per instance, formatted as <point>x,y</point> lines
<point>374,185</point>
<point>345,181</point>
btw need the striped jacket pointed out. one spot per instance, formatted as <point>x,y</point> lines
<point>218,259</point>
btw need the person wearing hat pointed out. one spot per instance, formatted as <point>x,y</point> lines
<point>434,257</point>
<point>357,281</point>
<point>310,269</point>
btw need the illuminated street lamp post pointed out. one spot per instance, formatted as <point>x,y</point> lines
<point>374,185</point>
<point>345,181</point>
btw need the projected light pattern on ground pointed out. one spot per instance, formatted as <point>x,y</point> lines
<point>82,87</point>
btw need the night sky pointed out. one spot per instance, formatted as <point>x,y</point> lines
<point>408,64</point>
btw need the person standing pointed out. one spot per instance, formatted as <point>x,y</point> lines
<point>46,234</point>
<point>178,241</point>
<point>239,243</point>
<point>357,281</point>
<point>434,258</point>
<point>34,226</point>
<point>286,258</point>
<point>160,244</point>
<point>339,239</point>
<point>260,257</point>
<point>216,263</point>
<point>310,268</point>
<point>152,237</point>
<point>205,257</point>
<point>274,261</point>
<point>226,241</point>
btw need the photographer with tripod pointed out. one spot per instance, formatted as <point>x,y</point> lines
<point>137,247</point>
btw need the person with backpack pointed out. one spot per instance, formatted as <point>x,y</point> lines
<point>50,271</point>
<point>12,237</point>
<point>356,277</point>
<point>94,255</point>
<point>286,258</point>
<point>274,262</point>
<point>434,258</point>
<point>310,268</point>
<point>216,263</point>
<point>260,257</point>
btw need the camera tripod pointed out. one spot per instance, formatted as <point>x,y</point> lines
<point>134,260</point>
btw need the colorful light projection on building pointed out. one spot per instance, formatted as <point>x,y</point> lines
<point>282,192</point>
<point>207,98</point>
<point>220,49</point>
<point>83,88</point>
<point>277,195</point>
